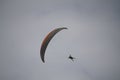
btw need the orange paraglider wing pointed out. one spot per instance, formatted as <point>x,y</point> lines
<point>47,40</point>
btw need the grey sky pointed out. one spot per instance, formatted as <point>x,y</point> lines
<point>93,37</point>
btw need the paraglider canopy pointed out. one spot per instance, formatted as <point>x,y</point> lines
<point>47,40</point>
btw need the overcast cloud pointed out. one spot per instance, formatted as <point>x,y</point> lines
<point>93,37</point>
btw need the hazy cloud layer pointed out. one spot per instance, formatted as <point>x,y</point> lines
<point>93,37</point>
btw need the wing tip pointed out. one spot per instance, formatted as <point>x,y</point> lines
<point>43,61</point>
<point>64,27</point>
